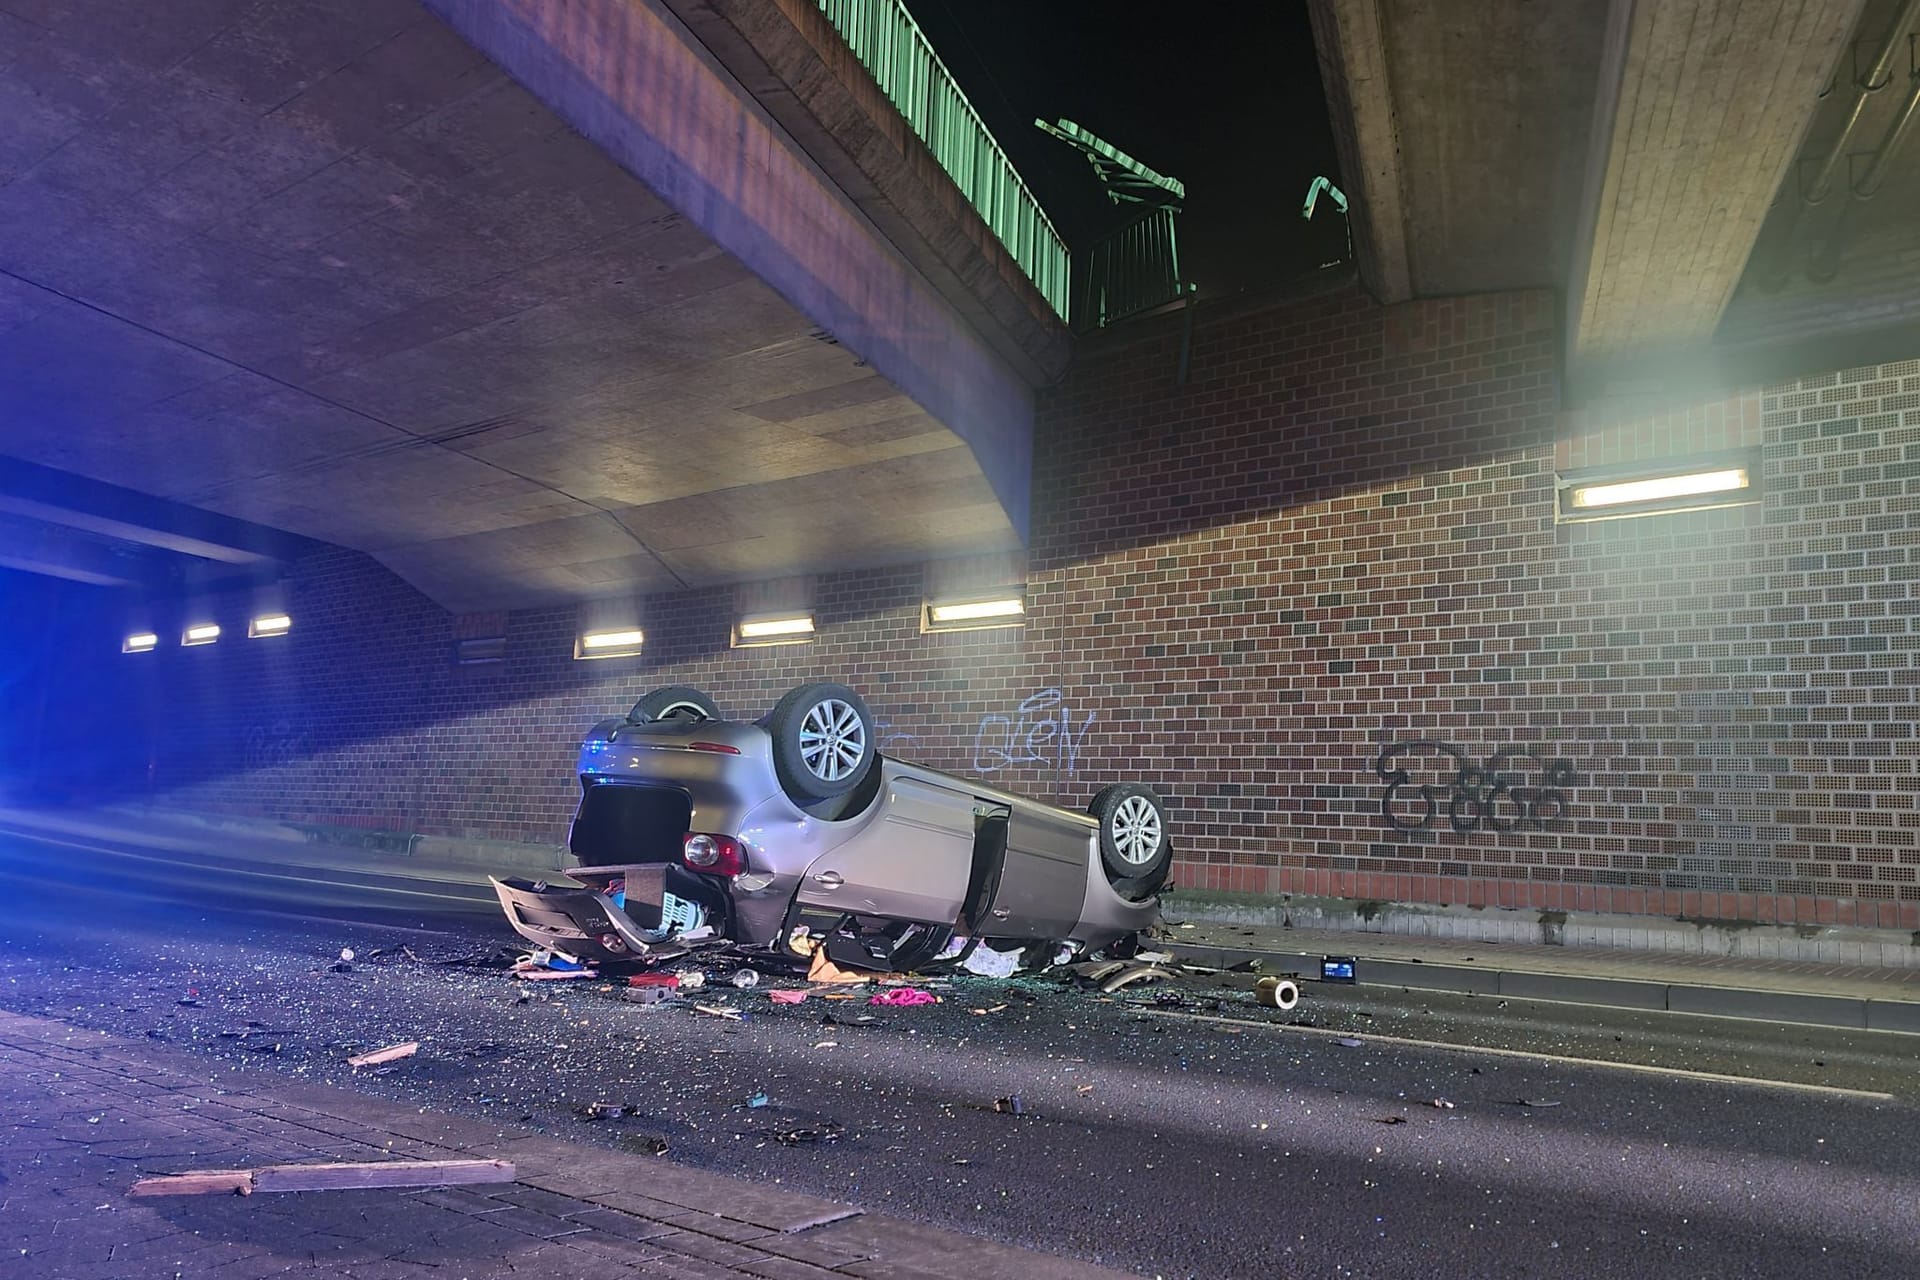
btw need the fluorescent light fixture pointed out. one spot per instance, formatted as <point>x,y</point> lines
<point>793,628</point>
<point>1613,495</point>
<point>610,644</point>
<point>1000,610</point>
<point>1683,484</point>
<point>139,642</point>
<point>201,633</point>
<point>269,624</point>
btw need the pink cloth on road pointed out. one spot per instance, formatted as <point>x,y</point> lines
<point>905,996</point>
<point>786,996</point>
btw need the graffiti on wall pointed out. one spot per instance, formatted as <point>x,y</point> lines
<point>1040,731</point>
<point>1513,787</point>
<point>269,745</point>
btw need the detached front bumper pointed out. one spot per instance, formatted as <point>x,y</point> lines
<point>619,914</point>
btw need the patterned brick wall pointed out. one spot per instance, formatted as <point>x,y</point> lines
<point>1335,540</point>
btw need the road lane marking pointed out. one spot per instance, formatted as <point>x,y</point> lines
<point>1711,1077</point>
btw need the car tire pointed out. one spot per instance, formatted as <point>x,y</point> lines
<point>673,701</point>
<point>823,741</point>
<point>1135,850</point>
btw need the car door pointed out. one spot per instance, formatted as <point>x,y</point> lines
<point>1043,883</point>
<point>909,861</point>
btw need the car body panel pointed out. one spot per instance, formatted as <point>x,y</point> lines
<point>911,859</point>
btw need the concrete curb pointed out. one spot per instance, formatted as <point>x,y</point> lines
<point>1728,939</point>
<point>1855,1013</point>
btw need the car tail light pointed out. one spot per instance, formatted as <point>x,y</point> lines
<point>715,855</point>
<point>719,748</point>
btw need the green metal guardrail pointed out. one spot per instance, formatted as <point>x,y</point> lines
<point>890,44</point>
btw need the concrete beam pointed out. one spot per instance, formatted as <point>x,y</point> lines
<point>75,502</point>
<point>1353,70</point>
<point>796,66</point>
<point>1701,108</point>
<point>37,548</point>
<point>632,79</point>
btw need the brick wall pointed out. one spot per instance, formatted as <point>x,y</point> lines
<point>1337,539</point>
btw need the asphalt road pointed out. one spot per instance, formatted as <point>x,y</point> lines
<point>1172,1132</point>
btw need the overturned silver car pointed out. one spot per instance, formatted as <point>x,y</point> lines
<point>793,832</point>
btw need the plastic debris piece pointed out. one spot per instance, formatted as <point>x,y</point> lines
<point>745,979</point>
<point>1083,1090</point>
<point>955,945</point>
<point>690,979</point>
<point>719,1011</point>
<point>1153,957</point>
<point>654,980</point>
<point>1011,1105</point>
<point>1443,1104</point>
<point>1530,1102</point>
<point>1391,1119</point>
<point>758,1098</point>
<point>828,1044</point>
<point>1139,973</point>
<point>989,963</point>
<point>1351,1042</point>
<point>904,997</point>
<point>647,995</point>
<point>606,1111</point>
<point>553,975</point>
<point>992,1009</point>
<point>786,995</point>
<point>392,1053</point>
<point>828,1132</point>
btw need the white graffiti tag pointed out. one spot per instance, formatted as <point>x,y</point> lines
<point>1041,731</point>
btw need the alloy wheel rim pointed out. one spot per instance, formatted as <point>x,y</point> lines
<point>833,741</point>
<point>1136,831</point>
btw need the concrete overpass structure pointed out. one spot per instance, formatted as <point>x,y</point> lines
<point>1719,192</point>
<point>533,303</point>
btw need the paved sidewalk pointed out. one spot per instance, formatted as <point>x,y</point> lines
<point>89,1113</point>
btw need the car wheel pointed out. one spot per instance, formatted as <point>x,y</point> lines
<point>675,701</point>
<point>822,741</point>
<point>1134,849</point>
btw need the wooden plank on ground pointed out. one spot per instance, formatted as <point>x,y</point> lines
<point>380,1173</point>
<point>201,1182</point>
<point>328,1177</point>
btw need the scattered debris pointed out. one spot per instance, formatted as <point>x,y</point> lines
<point>1390,1119</point>
<point>606,1111</point>
<point>904,997</point>
<point>827,1132</point>
<point>1351,1042</point>
<point>745,979</point>
<point>825,970</point>
<point>758,1098</point>
<point>787,995</point>
<point>998,1008</point>
<point>392,1053</point>
<point>1011,1105</point>
<point>1529,1102</point>
<point>689,979</point>
<point>1137,973</point>
<point>647,1146</point>
<point>1281,993</point>
<point>327,1177</point>
<point>1443,1104</point>
<point>988,963</point>
<point>720,1011</point>
<point>669,980</point>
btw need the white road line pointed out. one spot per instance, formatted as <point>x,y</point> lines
<point>1712,1077</point>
